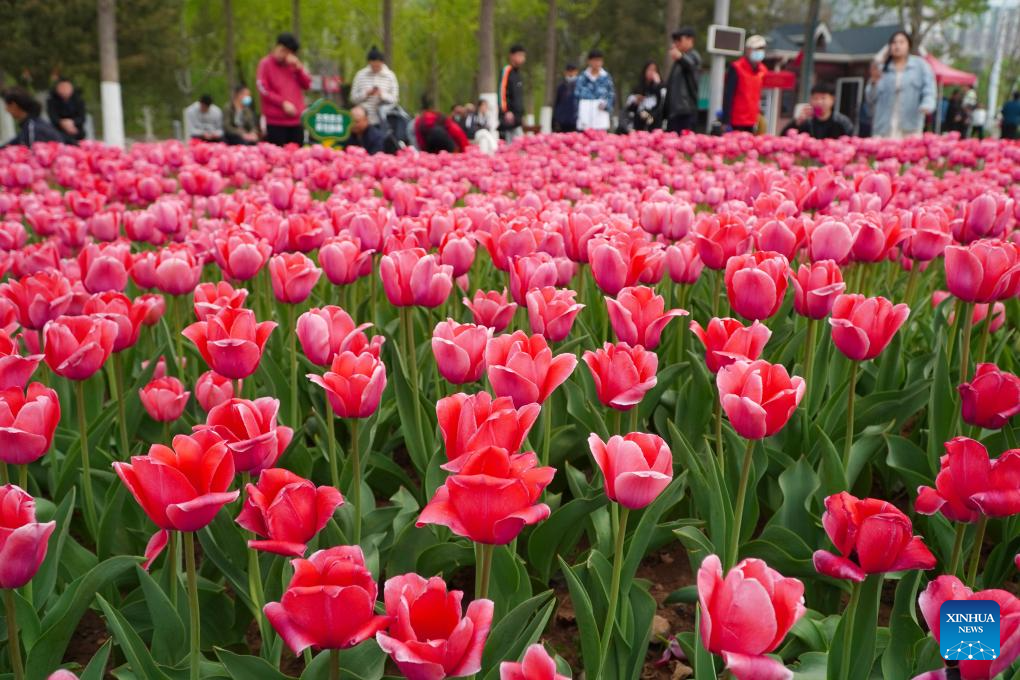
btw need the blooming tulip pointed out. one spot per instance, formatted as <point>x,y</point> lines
<point>727,340</point>
<point>459,350</point>
<point>343,261</point>
<point>411,277</point>
<point>829,239</point>
<point>38,298</point>
<point>329,603</point>
<point>816,287</point>
<point>324,333</point>
<point>876,532</point>
<point>970,485</point>
<point>492,498</point>
<point>991,398</point>
<point>287,510</point>
<point>27,423</point>
<point>293,276</point>
<point>683,262</point>
<point>177,270</point>
<point>78,346</point>
<point>105,267</point>
<point>536,665</point>
<point>241,254</point>
<point>622,374</point>
<point>231,342</point>
<point>490,308</point>
<point>985,216</point>
<point>638,316</point>
<point>23,541</point>
<point>15,369</point>
<point>117,307</point>
<point>354,384</point>
<point>984,271</point>
<point>212,389</point>
<point>524,368</point>
<point>531,271</point>
<point>636,467</point>
<point>616,264</point>
<point>758,397</point>
<point>154,306</point>
<point>210,298</point>
<point>428,637</point>
<point>250,432</point>
<point>551,312</point>
<point>472,422</point>
<point>862,327</point>
<point>164,399</point>
<point>720,237</point>
<point>746,613</point>
<point>756,283</point>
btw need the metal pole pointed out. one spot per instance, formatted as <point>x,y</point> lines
<point>718,73</point>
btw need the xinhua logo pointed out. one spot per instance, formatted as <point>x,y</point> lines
<point>969,629</point>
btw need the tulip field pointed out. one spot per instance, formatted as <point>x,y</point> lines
<point>601,407</point>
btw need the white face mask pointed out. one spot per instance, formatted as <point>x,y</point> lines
<point>757,55</point>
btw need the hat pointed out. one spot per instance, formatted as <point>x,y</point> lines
<point>685,32</point>
<point>755,42</point>
<point>375,54</point>
<point>289,41</point>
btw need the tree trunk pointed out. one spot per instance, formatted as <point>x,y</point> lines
<point>295,18</point>
<point>674,10</point>
<point>486,47</point>
<point>387,28</point>
<point>807,67</point>
<point>109,73</point>
<point>229,54</point>
<point>550,54</point>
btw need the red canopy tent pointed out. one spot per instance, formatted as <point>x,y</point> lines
<point>947,75</point>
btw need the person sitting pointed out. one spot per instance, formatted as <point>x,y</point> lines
<point>434,132</point>
<point>819,119</point>
<point>26,111</point>
<point>240,124</point>
<point>66,110</point>
<point>368,137</point>
<point>204,120</point>
<point>477,118</point>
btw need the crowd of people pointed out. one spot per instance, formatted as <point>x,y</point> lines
<point>899,99</point>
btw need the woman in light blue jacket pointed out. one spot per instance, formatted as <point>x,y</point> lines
<point>901,91</point>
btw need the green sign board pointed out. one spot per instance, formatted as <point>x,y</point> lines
<point>326,122</point>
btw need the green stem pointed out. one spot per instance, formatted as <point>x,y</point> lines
<point>682,335</point>
<point>13,645</point>
<point>172,564</point>
<point>848,444</point>
<point>334,664</point>
<point>292,341</point>
<point>617,423</point>
<point>483,570</point>
<point>986,333</point>
<point>954,560</point>
<point>738,509</point>
<point>121,398</point>
<point>718,437</point>
<point>356,464</point>
<point>614,590</point>
<point>166,432</point>
<point>967,313</point>
<point>5,475</point>
<point>546,416</point>
<point>912,283</point>
<point>175,311</point>
<point>195,656</point>
<point>809,365</point>
<point>975,554</point>
<point>23,477</point>
<point>717,278</point>
<point>634,417</point>
<point>849,614</point>
<point>255,590</point>
<point>410,358</point>
<point>86,469</point>
<point>334,461</point>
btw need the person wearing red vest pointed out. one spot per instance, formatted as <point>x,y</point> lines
<point>742,92</point>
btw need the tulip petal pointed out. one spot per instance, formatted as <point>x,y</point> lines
<point>195,514</point>
<point>155,547</point>
<point>836,566</point>
<point>747,667</point>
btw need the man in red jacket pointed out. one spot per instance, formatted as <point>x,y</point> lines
<point>282,80</point>
<point>742,93</point>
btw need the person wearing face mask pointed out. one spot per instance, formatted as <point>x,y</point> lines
<point>565,108</point>
<point>742,91</point>
<point>819,119</point>
<point>901,91</point>
<point>282,81</point>
<point>240,124</point>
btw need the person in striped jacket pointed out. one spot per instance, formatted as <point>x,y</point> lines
<point>511,95</point>
<point>375,85</point>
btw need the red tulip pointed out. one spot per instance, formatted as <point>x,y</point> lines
<point>117,307</point>
<point>231,342</point>
<point>293,276</point>
<point>756,283</point>
<point>536,665</point>
<point>622,374</point>
<point>746,613</point>
<point>164,399</point>
<point>330,602</point>
<point>459,350</point>
<point>411,277</point>
<point>38,298</point>
<point>537,270</point>
<point>354,384</point>
<point>815,288</point>
<point>154,306</point>
<point>23,541</point>
<point>490,308</point>
<point>241,254</point>
<point>875,235</point>
<point>928,234</point>
<point>829,239</point>
<point>877,533</point>
<point>78,346</point>
<point>324,333</point>
<point>551,312</point>
<point>212,389</point>
<point>727,340</point>
<point>177,270</point>
<point>302,233</point>
<point>577,230</point>
<point>15,369</point>
<point>27,423</point>
<point>636,467</point>
<point>948,587</point>
<point>250,432</point>
<point>428,637</point>
<point>862,327</point>
<point>287,510</point>
<point>210,298</point>
<point>970,485</point>
<point>683,262</point>
<point>984,271</point>
<point>638,316</point>
<point>105,267</point>
<point>720,237</point>
<point>758,397</point>
<point>492,498</point>
<point>620,262</point>
<point>477,421</point>
<point>343,260</point>
<point>991,398</point>
<point>524,368</point>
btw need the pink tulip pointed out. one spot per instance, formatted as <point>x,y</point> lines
<point>862,327</point>
<point>638,316</point>
<point>551,312</point>
<point>293,276</point>
<point>531,271</point>
<point>164,399</point>
<point>524,368</point>
<point>622,374</point>
<point>324,333</point>
<point>412,277</point>
<point>816,287</point>
<point>212,389</point>
<point>490,308</point>
<point>720,237</point>
<point>636,467</point>
<point>343,261</point>
<point>683,262</point>
<point>727,340</point>
<point>459,350</point>
<point>758,397</point>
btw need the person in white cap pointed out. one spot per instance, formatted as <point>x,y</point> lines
<point>742,92</point>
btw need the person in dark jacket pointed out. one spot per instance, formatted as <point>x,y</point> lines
<point>240,124</point>
<point>434,132</point>
<point>742,91</point>
<point>1011,117</point>
<point>819,119</point>
<point>66,110</point>
<point>565,107</point>
<point>644,104</point>
<point>26,112</point>
<point>369,137</point>
<point>511,95</point>
<point>681,106</point>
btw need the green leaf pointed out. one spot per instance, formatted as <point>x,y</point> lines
<point>138,657</point>
<point>246,667</point>
<point>798,484</point>
<point>704,662</point>
<point>904,633</point>
<point>46,578</point>
<point>637,546</point>
<point>169,638</point>
<point>364,662</point>
<point>941,404</point>
<point>512,634</point>
<point>586,624</point>
<point>559,533</point>
<point>910,460</point>
<point>96,670</point>
<point>863,634</point>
